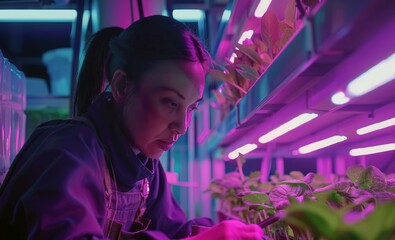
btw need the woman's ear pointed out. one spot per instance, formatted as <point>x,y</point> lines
<point>120,85</point>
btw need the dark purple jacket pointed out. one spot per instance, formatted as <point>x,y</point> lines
<point>54,188</point>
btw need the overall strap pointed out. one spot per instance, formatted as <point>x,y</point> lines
<point>111,230</point>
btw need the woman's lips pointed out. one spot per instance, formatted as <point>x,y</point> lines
<point>165,145</point>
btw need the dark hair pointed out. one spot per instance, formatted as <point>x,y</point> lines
<point>138,48</point>
<point>91,75</point>
<point>152,39</point>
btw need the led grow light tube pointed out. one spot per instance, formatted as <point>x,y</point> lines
<point>226,15</point>
<point>321,144</point>
<point>339,98</point>
<point>242,150</point>
<point>188,14</point>
<point>246,35</point>
<point>376,126</point>
<point>372,150</point>
<point>232,58</point>
<point>288,126</point>
<point>378,75</point>
<point>37,15</point>
<point>262,8</point>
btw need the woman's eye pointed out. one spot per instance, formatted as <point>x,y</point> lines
<point>170,103</point>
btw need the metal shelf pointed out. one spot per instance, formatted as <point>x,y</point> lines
<point>320,58</point>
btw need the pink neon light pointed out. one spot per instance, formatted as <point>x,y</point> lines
<point>242,150</point>
<point>321,144</point>
<point>288,126</point>
<point>372,150</point>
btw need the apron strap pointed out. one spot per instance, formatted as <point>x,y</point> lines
<point>113,229</point>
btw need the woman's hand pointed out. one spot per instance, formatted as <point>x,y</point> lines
<point>232,230</point>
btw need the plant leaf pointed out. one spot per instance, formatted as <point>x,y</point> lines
<point>287,34</point>
<point>217,74</point>
<point>354,172</point>
<point>270,29</point>
<point>372,178</point>
<point>247,72</point>
<point>250,53</point>
<point>256,198</point>
<point>314,216</point>
<point>290,13</point>
<point>380,224</point>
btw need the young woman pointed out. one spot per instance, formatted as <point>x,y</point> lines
<point>97,176</point>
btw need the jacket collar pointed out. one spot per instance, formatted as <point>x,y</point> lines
<point>128,168</point>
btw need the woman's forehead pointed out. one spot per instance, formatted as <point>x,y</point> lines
<point>182,76</point>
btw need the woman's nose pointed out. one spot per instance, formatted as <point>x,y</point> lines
<point>180,124</point>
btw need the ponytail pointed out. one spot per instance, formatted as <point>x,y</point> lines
<point>94,74</point>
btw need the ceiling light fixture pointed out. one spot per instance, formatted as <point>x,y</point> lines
<point>242,150</point>
<point>232,58</point>
<point>191,15</point>
<point>37,15</point>
<point>339,98</point>
<point>321,144</point>
<point>226,15</point>
<point>376,126</point>
<point>372,150</point>
<point>288,126</point>
<point>262,8</point>
<point>378,75</point>
<point>246,35</point>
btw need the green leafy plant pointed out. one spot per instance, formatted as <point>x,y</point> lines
<point>298,206</point>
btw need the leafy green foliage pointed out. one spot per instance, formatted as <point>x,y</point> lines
<point>298,206</point>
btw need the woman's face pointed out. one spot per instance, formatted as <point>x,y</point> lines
<point>160,110</point>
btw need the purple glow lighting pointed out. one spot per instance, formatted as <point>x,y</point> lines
<point>242,150</point>
<point>339,98</point>
<point>378,75</point>
<point>246,35</point>
<point>321,144</point>
<point>262,8</point>
<point>372,150</point>
<point>376,126</point>
<point>288,126</point>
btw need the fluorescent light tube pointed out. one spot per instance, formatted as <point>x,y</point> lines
<point>37,15</point>
<point>378,75</point>
<point>232,58</point>
<point>242,150</point>
<point>339,98</point>
<point>262,8</point>
<point>188,14</point>
<point>376,126</point>
<point>321,144</point>
<point>246,35</point>
<point>288,126</point>
<point>226,15</point>
<point>372,150</point>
